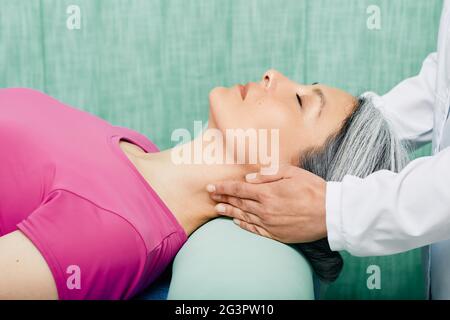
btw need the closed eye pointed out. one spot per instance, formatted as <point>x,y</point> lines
<point>299,99</point>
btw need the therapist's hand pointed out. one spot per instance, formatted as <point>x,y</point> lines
<point>288,207</point>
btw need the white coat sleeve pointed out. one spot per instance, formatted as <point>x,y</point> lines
<point>388,212</point>
<point>409,107</point>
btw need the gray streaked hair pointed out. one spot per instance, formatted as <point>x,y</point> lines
<point>364,144</point>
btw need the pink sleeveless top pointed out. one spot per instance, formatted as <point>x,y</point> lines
<point>67,185</point>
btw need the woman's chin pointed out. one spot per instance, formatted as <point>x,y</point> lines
<point>216,95</point>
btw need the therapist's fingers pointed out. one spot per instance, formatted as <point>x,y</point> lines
<point>243,204</point>
<point>235,189</point>
<point>256,229</point>
<point>285,171</point>
<point>227,210</point>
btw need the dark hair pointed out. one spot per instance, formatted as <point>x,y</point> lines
<point>364,144</point>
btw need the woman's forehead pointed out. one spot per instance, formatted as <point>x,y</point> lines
<point>339,99</point>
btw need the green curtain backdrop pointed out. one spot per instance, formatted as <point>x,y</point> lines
<point>150,64</point>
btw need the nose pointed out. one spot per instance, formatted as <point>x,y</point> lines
<point>271,78</point>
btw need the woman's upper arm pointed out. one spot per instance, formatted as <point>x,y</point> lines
<point>24,273</point>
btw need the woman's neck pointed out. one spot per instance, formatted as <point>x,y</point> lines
<point>182,187</point>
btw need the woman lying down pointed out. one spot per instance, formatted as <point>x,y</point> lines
<point>89,210</point>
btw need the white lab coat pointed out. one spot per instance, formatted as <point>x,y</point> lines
<point>387,213</point>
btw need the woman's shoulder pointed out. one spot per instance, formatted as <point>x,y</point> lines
<point>16,93</point>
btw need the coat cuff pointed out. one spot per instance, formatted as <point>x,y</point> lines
<point>333,209</point>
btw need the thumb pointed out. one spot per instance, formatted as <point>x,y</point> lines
<point>258,177</point>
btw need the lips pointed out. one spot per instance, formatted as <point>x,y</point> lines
<point>244,90</point>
